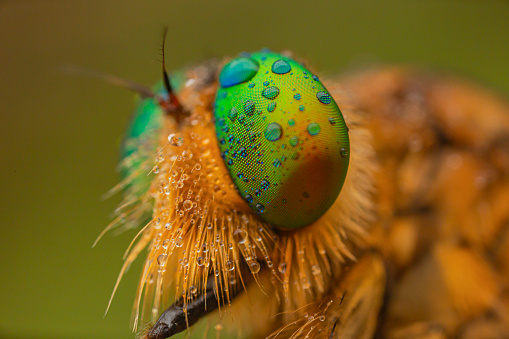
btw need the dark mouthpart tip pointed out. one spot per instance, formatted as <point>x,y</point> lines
<point>159,331</point>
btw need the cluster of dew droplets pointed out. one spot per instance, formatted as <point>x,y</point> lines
<point>177,208</point>
<point>310,326</point>
<point>195,234</point>
<point>315,324</point>
<point>302,272</point>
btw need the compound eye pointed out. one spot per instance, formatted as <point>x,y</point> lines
<point>283,138</point>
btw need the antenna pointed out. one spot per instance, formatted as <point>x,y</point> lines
<point>174,103</point>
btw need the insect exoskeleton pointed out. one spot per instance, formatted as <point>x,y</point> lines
<point>249,185</point>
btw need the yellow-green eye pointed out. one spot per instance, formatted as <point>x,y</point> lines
<point>282,137</point>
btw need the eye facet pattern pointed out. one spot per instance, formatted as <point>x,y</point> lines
<point>282,137</point>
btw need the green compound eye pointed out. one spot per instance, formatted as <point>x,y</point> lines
<point>282,137</point>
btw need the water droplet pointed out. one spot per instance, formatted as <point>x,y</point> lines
<point>273,131</point>
<point>315,269</point>
<point>233,114</point>
<point>276,163</point>
<point>266,83</point>
<point>324,97</point>
<point>243,152</point>
<point>297,96</point>
<point>322,318</point>
<point>238,71</point>
<point>188,204</point>
<point>200,261</point>
<point>343,152</point>
<point>271,107</point>
<point>270,92</point>
<point>315,78</point>
<point>193,289</point>
<point>166,243</point>
<point>282,268</point>
<point>281,67</point>
<point>161,259</point>
<point>251,85</point>
<point>249,198</point>
<point>294,141</point>
<point>265,184</point>
<point>240,236</point>
<point>313,128</point>
<point>260,208</point>
<point>249,107</point>
<point>301,108</point>
<point>233,280</point>
<point>295,156</point>
<point>175,140</point>
<point>332,121</point>
<point>230,266</point>
<point>254,266</point>
<point>178,242</point>
<point>155,169</point>
<point>258,193</point>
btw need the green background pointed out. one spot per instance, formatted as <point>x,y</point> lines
<point>60,134</point>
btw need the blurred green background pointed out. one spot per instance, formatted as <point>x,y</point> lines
<point>60,133</point>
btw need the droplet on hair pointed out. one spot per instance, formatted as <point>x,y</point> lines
<point>166,243</point>
<point>188,204</point>
<point>175,140</point>
<point>240,236</point>
<point>282,268</point>
<point>230,266</point>
<point>161,259</point>
<point>254,266</point>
